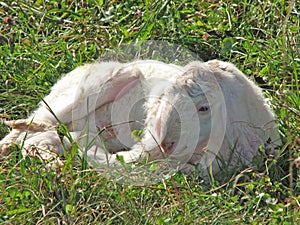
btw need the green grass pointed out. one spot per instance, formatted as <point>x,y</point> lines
<point>41,40</point>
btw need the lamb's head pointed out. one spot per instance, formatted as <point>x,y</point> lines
<point>239,117</point>
<point>179,121</point>
<point>204,90</point>
<point>214,112</point>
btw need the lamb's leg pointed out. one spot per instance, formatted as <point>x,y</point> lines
<point>19,126</point>
<point>108,80</point>
<point>59,100</point>
<point>47,145</point>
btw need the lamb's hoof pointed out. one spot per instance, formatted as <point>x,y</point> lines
<point>6,149</point>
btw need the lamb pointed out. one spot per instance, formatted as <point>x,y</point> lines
<point>203,113</point>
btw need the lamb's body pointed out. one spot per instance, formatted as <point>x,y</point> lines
<point>98,95</point>
<point>190,114</point>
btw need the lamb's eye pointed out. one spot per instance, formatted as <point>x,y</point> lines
<point>204,107</point>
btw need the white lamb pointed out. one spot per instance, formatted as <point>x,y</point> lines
<point>200,113</point>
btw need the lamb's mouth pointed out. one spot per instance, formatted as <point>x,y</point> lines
<point>167,148</point>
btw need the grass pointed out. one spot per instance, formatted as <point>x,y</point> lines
<point>43,39</point>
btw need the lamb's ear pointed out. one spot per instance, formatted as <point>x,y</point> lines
<point>104,84</point>
<point>250,121</point>
<point>119,83</point>
<point>96,84</point>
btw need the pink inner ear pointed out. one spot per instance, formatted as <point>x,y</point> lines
<point>122,88</point>
<point>158,127</point>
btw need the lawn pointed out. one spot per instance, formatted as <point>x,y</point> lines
<point>40,40</point>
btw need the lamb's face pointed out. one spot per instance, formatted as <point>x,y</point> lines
<point>194,129</point>
<point>194,118</point>
<point>212,125</point>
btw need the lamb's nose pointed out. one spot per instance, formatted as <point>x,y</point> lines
<point>167,147</point>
